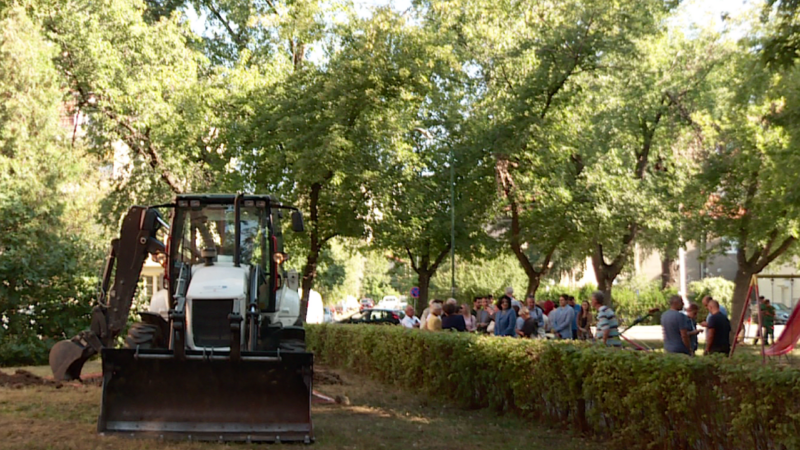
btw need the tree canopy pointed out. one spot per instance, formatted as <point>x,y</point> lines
<point>533,131</point>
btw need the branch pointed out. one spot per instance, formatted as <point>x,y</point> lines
<point>327,238</point>
<point>234,35</point>
<point>647,143</point>
<point>440,258</point>
<point>546,263</point>
<point>575,63</point>
<point>505,78</point>
<point>778,252</point>
<point>133,141</point>
<point>411,257</point>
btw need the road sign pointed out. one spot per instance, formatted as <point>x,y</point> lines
<point>415,292</point>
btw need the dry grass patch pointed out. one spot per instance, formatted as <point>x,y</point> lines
<point>371,416</point>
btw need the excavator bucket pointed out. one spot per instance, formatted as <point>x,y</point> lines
<point>263,397</point>
<point>67,359</point>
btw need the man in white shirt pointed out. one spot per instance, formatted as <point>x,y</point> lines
<point>409,321</point>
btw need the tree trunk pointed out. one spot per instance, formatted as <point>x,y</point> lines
<point>424,283</point>
<point>309,274</point>
<point>425,271</point>
<point>604,286</point>
<point>741,284</point>
<point>605,274</point>
<point>533,284</point>
<point>669,272</point>
<point>534,276</point>
<point>310,269</point>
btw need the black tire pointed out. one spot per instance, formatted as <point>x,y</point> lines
<point>292,346</point>
<point>144,336</point>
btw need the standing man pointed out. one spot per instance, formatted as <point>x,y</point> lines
<point>514,302</point>
<point>768,327</point>
<point>577,309</point>
<point>562,318</point>
<point>410,321</point>
<point>483,316</point>
<point>676,327</point>
<point>705,302</point>
<point>537,314</point>
<point>718,331</point>
<point>607,324</point>
<point>691,313</point>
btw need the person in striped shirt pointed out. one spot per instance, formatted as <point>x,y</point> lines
<point>607,324</point>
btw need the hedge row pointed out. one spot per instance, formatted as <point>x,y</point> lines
<point>641,400</point>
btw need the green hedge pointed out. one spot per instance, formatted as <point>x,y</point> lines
<point>641,400</point>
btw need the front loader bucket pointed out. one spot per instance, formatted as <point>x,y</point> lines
<point>266,396</point>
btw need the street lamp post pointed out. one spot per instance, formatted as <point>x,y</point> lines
<point>452,225</point>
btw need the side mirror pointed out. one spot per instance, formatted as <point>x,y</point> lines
<point>297,222</point>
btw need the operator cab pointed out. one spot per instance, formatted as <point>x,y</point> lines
<point>225,254</point>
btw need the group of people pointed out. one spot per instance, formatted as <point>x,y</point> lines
<point>570,320</point>
<point>681,331</point>
<point>510,317</point>
<point>681,328</point>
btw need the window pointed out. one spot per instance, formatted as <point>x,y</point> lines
<point>149,286</point>
<point>379,315</point>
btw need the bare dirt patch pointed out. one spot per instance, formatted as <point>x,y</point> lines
<point>22,378</point>
<point>326,377</point>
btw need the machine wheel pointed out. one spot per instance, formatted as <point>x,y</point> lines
<point>144,336</point>
<point>292,345</point>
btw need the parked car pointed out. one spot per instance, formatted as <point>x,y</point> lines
<point>366,303</point>
<point>375,316</point>
<point>782,313</point>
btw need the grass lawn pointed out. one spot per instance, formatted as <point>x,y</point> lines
<point>743,351</point>
<point>377,417</point>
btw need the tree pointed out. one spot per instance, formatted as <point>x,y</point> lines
<point>417,219</point>
<point>319,139</point>
<point>153,113</point>
<point>781,45</point>
<point>477,278</point>
<point>376,282</point>
<point>533,60</point>
<point>636,161</point>
<point>746,194</point>
<point>45,260</point>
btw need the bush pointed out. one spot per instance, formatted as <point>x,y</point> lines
<point>635,297</point>
<point>717,287</point>
<point>630,299</point>
<point>641,400</point>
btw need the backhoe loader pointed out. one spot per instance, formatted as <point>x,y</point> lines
<point>217,355</point>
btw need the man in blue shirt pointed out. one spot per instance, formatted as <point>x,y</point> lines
<point>562,318</point>
<point>577,309</point>
<point>676,327</point>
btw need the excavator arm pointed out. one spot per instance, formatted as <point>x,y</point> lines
<point>123,267</point>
